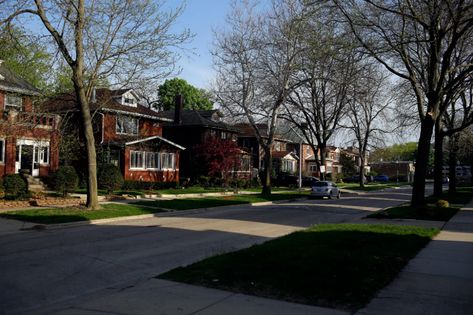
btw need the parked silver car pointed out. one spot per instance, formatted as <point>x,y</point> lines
<point>325,189</point>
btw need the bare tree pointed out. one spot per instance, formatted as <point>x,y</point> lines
<point>122,41</point>
<point>318,104</point>
<point>256,60</point>
<point>416,41</point>
<point>457,118</point>
<point>367,111</point>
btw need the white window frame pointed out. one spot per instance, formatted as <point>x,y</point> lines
<point>2,152</point>
<point>156,156</point>
<point>12,105</point>
<point>164,158</point>
<point>121,130</point>
<point>143,164</point>
<point>44,155</point>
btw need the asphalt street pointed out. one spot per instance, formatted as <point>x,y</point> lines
<point>53,269</point>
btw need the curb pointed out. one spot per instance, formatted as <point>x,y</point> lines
<point>165,213</point>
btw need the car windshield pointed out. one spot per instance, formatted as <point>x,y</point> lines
<point>320,184</point>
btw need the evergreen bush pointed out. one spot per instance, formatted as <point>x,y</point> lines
<point>15,186</point>
<point>110,178</point>
<point>65,180</point>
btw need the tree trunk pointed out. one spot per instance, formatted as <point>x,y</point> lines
<point>422,159</point>
<point>452,163</point>
<point>362,171</point>
<point>438,160</point>
<point>322,149</point>
<point>268,163</point>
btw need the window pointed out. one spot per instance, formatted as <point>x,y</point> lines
<point>313,168</point>
<point>127,125</point>
<point>137,159</point>
<point>245,163</point>
<point>223,135</point>
<point>288,166</point>
<point>167,161</point>
<point>13,102</point>
<point>152,160</point>
<point>129,101</point>
<point>2,150</point>
<point>43,155</point>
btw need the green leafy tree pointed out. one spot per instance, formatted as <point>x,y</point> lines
<point>110,178</point>
<point>397,152</point>
<point>25,57</point>
<point>194,98</point>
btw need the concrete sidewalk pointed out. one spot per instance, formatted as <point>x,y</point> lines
<point>439,280</point>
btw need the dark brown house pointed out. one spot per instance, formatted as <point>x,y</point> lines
<point>28,138</point>
<point>127,134</point>
<point>190,128</point>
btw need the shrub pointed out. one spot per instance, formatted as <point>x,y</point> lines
<point>65,180</point>
<point>442,203</point>
<point>15,186</point>
<point>110,178</point>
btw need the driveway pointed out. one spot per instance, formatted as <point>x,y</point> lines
<point>50,270</point>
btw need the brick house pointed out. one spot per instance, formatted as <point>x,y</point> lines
<point>285,158</point>
<point>127,133</point>
<point>28,138</point>
<point>190,128</point>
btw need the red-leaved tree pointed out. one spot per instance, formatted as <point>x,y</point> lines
<point>219,157</point>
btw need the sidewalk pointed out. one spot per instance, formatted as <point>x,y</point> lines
<point>439,280</point>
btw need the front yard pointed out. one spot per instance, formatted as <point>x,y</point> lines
<point>340,266</point>
<point>73,214</point>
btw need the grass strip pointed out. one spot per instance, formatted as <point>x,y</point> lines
<point>369,186</point>
<point>334,265</point>
<point>74,214</point>
<point>209,202</point>
<point>428,212</point>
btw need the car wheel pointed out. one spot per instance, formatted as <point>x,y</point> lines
<point>339,194</point>
<point>330,196</point>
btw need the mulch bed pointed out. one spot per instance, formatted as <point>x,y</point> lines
<point>40,202</point>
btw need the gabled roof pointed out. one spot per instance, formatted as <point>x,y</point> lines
<point>284,154</point>
<point>154,138</point>
<point>105,101</point>
<point>200,118</point>
<point>10,82</point>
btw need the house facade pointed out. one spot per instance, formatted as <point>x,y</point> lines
<point>285,159</point>
<point>191,128</point>
<point>28,138</point>
<point>128,134</point>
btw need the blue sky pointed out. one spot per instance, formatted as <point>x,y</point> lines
<point>200,16</point>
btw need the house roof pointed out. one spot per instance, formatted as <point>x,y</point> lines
<point>106,101</point>
<point>154,138</point>
<point>284,154</point>
<point>247,130</point>
<point>201,118</point>
<point>10,82</point>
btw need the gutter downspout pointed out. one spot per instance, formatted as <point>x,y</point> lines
<point>103,127</point>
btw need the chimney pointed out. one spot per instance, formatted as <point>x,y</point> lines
<point>178,102</point>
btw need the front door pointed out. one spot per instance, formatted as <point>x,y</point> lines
<point>26,158</point>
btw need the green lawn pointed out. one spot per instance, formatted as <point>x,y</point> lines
<point>428,212</point>
<point>203,190</point>
<point>63,215</point>
<point>369,186</point>
<point>339,266</point>
<point>196,203</point>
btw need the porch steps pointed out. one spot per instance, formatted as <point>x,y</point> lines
<point>35,184</point>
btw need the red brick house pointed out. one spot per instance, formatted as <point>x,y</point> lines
<point>128,134</point>
<point>28,138</point>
